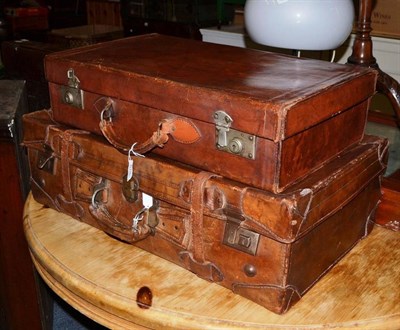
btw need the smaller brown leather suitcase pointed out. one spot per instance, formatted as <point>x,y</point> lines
<point>270,248</point>
<point>260,118</point>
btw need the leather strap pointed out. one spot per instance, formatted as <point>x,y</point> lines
<point>206,270</point>
<point>194,258</point>
<point>44,197</point>
<point>196,214</point>
<point>69,206</point>
<point>66,200</point>
<point>68,150</point>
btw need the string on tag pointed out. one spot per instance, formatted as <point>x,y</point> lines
<point>147,201</point>
<point>131,153</point>
<point>138,217</point>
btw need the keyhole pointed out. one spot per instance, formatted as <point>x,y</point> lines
<point>236,146</point>
<point>69,98</point>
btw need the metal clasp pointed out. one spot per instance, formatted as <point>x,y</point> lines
<point>138,217</point>
<point>149,204</point>
<point>230,140</point>
<point>72,94</point>
<point>45,160</point>
<point>222,125</point>
<point>73,81</point>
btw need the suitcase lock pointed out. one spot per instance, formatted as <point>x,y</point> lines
<point>72,94</point>
<point>230,140</point>
<point>240,238</point>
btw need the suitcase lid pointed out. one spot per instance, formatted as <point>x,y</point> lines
<point>267,94</point>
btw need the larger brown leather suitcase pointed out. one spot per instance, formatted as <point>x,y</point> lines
<point>260,118</point>
<point>270,248</point>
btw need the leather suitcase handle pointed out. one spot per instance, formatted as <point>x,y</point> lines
<point>111,225</point>
<point>158,138</point>
<point>181,129</point>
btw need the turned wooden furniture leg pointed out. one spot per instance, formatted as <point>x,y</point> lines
<point>388,213</point>
<point>362,55</point>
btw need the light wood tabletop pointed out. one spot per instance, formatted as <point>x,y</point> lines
<point>103,278</point>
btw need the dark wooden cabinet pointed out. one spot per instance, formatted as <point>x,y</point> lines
<point>66,13</point>
<point>104,12</point>
<point>19,303</point>
<point>182,18</point>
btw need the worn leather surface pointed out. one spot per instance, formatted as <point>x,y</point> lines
<point>302,232</point>
<point>286,103</point>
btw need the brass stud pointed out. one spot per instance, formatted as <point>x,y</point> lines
<point>250,270</point>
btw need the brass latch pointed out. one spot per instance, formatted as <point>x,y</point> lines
<point>230,140</point>
<point>72,94</point>
<point>240,238</point>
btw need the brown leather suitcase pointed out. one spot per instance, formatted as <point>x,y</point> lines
<point>270,248</point>
<point>260,118</point>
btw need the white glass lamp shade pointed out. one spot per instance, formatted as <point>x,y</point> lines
<point>299,24</point>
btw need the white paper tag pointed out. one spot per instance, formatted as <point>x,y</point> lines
<point>130,169</point>
<point>131,153</point>
<point>147,201</point>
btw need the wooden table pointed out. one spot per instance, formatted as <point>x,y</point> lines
<point>101,277</point>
